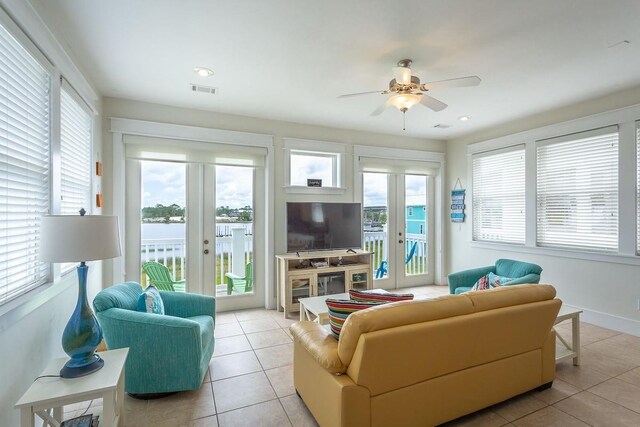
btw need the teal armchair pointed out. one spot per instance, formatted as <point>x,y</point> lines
<point>521,272</point>
<point>167,353</point>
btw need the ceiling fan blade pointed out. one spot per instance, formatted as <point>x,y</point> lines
<point>432,103</point>
<point>381,108</point>
<point>402,75</point>
<point>459,82</point>
<point>360,93</point>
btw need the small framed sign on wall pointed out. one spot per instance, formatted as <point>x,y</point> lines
<point>313,182</point>
<point>457,202</point>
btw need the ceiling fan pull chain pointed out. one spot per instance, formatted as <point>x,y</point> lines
<point>404,120</point>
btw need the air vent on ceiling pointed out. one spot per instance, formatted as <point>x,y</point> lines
<point>442,126</point>
<point>204,89</point>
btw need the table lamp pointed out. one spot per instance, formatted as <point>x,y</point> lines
<point>73,238</point>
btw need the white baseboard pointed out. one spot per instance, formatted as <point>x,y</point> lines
<point>609,321</point>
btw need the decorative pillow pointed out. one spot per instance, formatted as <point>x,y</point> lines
<point>361,296</point>
<point>150,301</point>
<point>482,284</point>
<point>499,280</point>
<point>340,309</point>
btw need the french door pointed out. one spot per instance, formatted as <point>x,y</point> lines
<point>398,211</point>
<point>201,221</point>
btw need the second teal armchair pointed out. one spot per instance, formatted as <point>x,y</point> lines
<point>167,353</point>
<point>521,272</point>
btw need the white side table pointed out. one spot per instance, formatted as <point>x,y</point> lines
<point>47,396</point>
<point>563,349</point>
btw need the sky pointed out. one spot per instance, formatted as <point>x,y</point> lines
<point>165,183</point>
<point>375,188</point>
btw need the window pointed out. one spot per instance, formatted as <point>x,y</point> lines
<point>75,155</point>
<point>75,158</point>
<point>499,196</point>
<point>577,191</point>
<point>317,160</point>
<point>24,166</point>
<point>309,165</point>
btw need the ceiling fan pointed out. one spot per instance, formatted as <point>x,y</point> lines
<point>406,90</point>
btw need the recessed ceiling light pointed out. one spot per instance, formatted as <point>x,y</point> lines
<point>203,72</point>
<point>464,118</point>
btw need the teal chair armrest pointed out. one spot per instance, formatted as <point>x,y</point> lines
<point>467,278</point>
<point>529,278</point>
<point>188,305</point>
<point>234,276</point>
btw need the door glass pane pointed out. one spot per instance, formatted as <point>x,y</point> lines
<point>163,221</point>
<point>234,230</point>
<point>416,224</point>
<point>376,214</point>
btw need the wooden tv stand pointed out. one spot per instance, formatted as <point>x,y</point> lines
<point>304,275</point>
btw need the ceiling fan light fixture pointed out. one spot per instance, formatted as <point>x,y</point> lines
<point>405,101</point>
<point>203,72</point>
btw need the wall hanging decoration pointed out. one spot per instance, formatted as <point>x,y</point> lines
<point>457,202</point>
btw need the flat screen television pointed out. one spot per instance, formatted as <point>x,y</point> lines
<point>317,226</point>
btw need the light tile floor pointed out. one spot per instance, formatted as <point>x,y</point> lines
<point>250,383</point>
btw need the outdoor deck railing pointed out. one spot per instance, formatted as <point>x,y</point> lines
<point>171,252</point>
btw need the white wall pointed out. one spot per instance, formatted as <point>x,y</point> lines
<point>608,291</point>
<point>122,108</point>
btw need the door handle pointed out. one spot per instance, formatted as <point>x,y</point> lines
<point>206,251</point>
<point>400,241</point>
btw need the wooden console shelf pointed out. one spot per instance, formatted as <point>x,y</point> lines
<point>301,276</point>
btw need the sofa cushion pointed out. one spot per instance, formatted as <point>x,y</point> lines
<point>340,309</point>
<point>150,301</point>
<point>361,296</point>
<point>482,284</point>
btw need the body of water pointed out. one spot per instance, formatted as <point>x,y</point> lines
<point>179,230</point>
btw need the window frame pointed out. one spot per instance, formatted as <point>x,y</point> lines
<point>335,151</point>
<point>55,61</point>
<point>626,119</point>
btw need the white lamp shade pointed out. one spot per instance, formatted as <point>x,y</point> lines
<point>74,238</point>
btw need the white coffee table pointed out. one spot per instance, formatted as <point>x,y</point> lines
<point>47,396</point>
<point>315,308</point>
<point>565,350</point>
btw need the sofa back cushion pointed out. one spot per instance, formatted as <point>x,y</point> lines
<point>124,295</point>
<point>463,331</point>
<point>515,269</point>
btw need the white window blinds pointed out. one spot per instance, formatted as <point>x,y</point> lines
<point>499,196</point>
<point>75,155</point>
<point>24,167</point>
<point>577,197</point>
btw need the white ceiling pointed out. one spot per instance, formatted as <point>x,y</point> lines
<point>290,59</point>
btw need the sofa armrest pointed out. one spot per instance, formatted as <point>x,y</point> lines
<point>467,278</point>
<point>320,344</point>
<point>181,304</point>
<point>152,335</point>
<point>529,278</point>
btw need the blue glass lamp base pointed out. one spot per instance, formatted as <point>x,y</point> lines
<point>80,371</point>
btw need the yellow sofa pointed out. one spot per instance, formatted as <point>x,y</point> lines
<point>425,362</point>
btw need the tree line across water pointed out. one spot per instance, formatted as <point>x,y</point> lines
<point>172,212</point>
